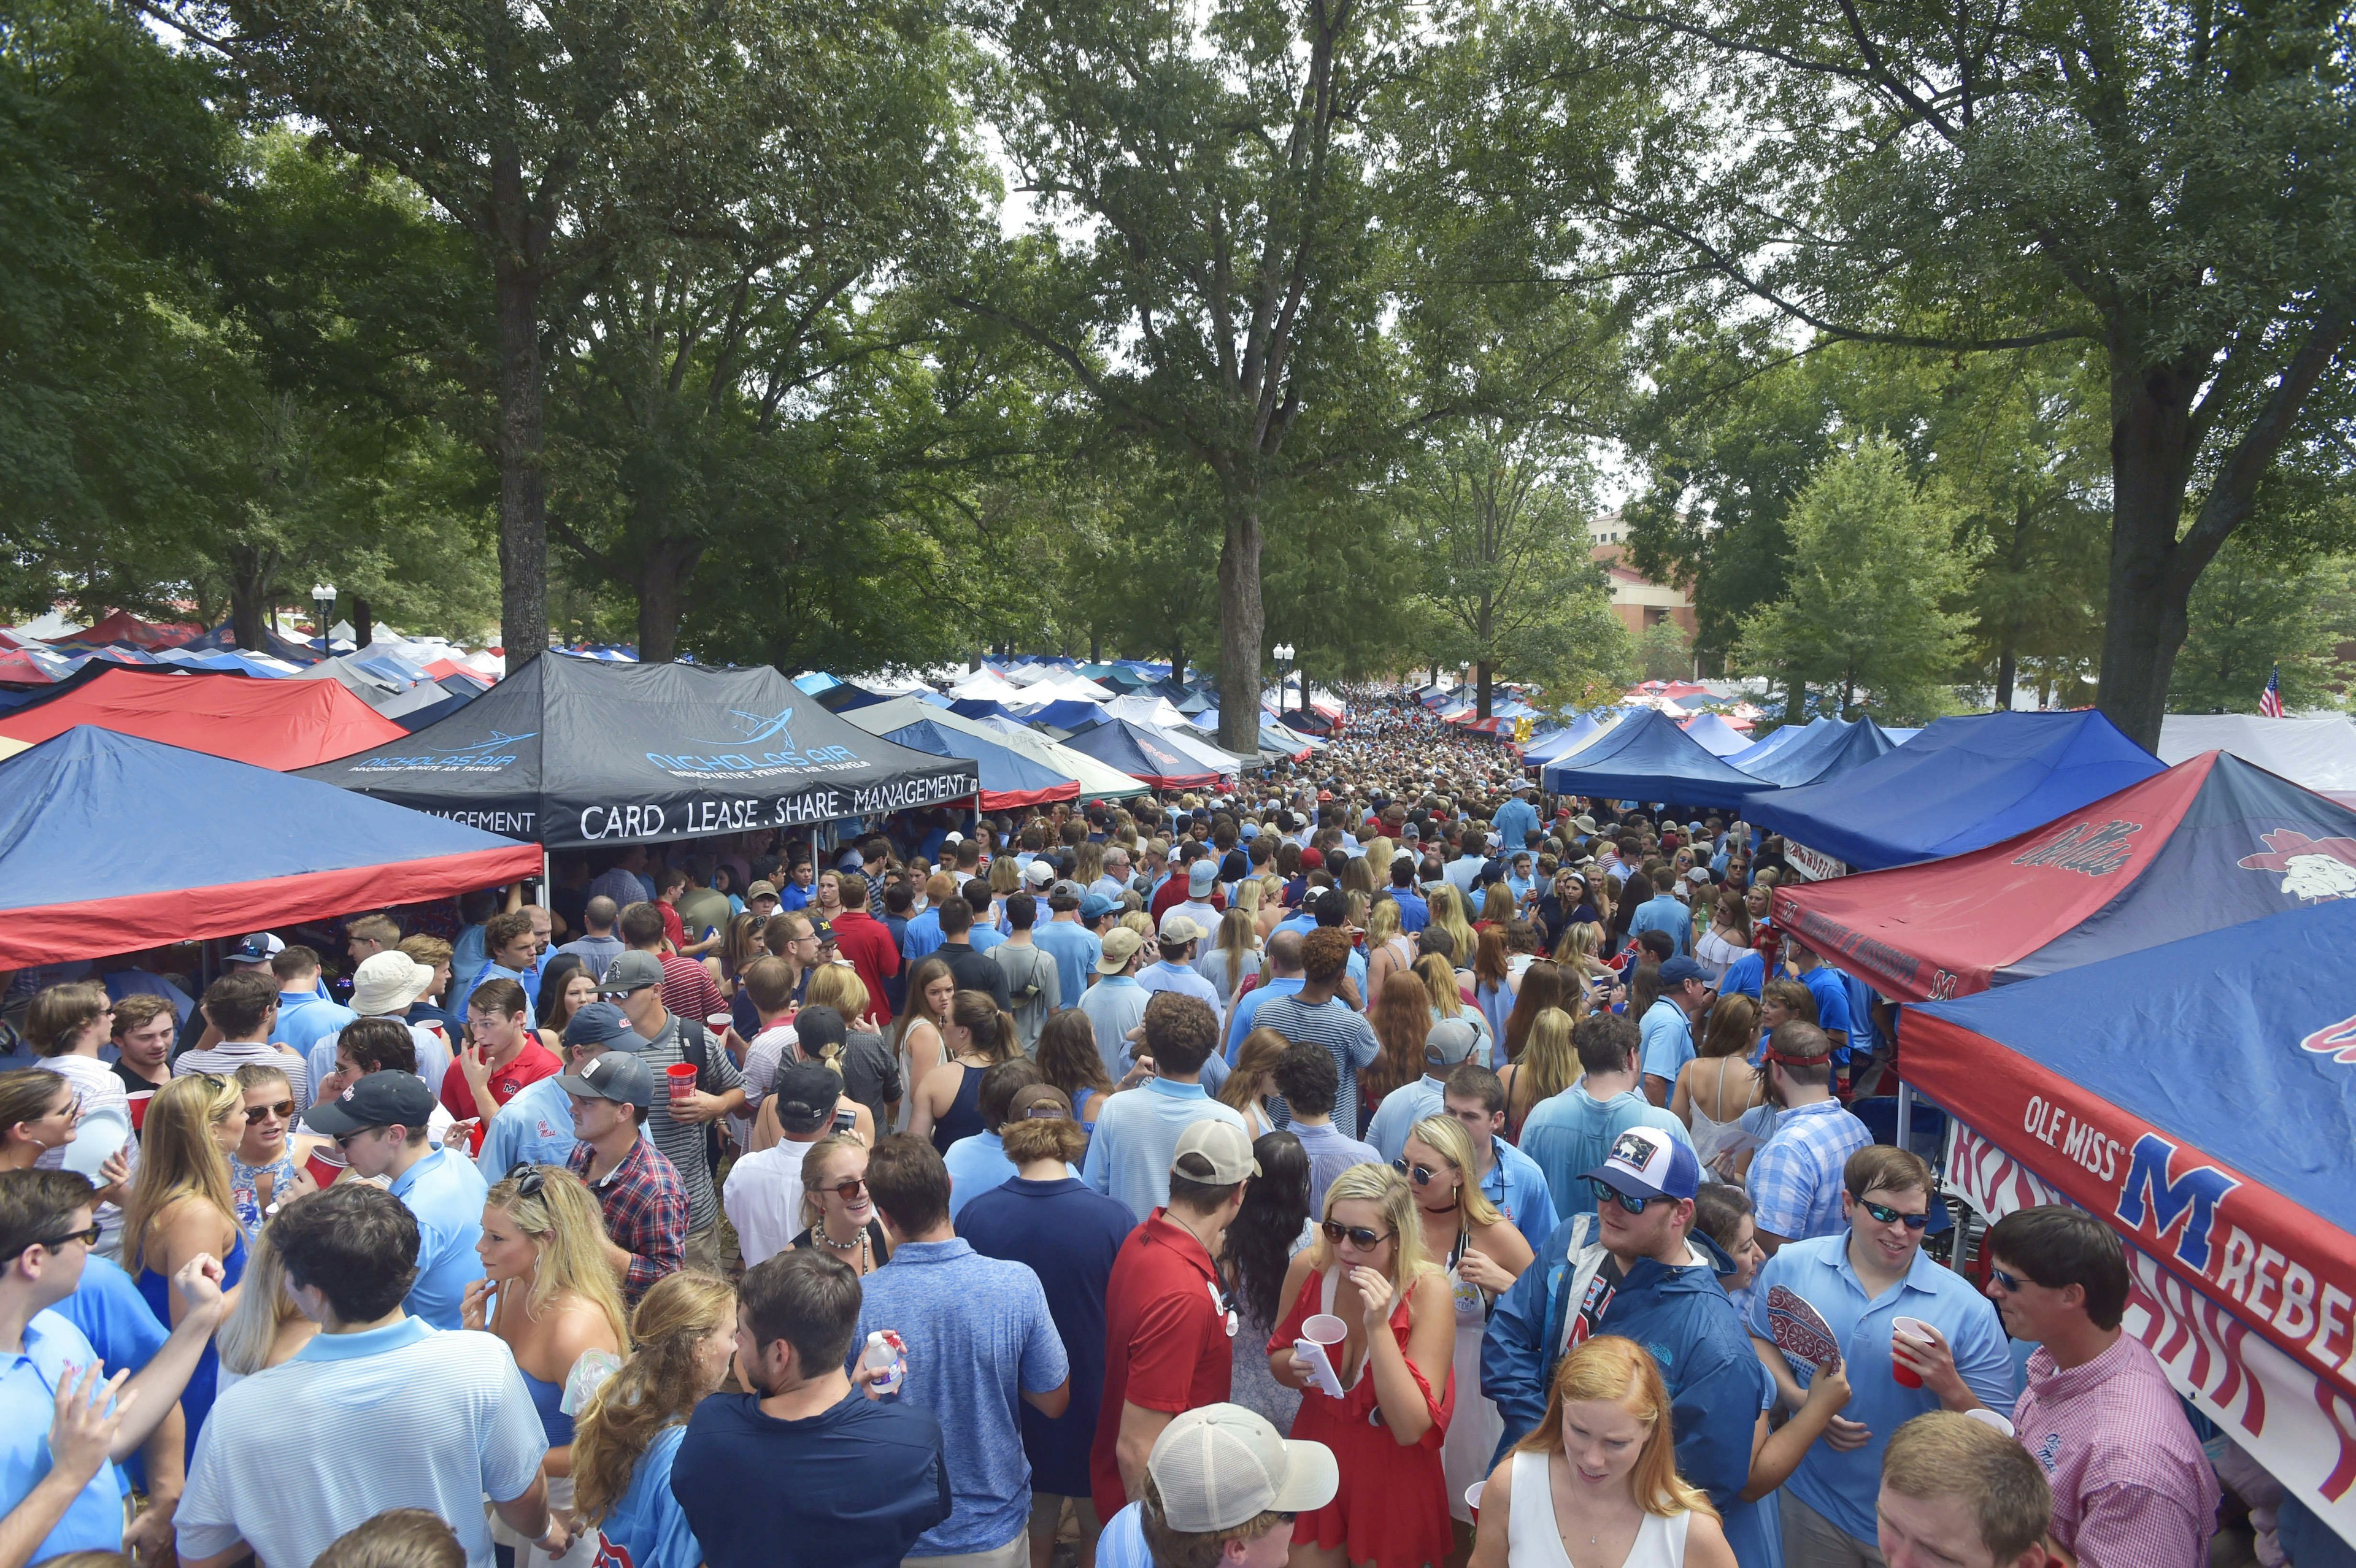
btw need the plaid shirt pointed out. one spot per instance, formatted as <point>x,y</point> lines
<point>646,1211</point>
<point>1796,1177</point>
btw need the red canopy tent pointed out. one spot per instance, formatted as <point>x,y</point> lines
<point>280,724</point>
<point>18,668</point>
<point>122,626</point>
<point>2210,843</point>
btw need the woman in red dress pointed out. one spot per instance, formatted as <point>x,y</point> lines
<point>1369,1268</point>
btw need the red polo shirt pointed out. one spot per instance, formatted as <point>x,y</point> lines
<point>1169,1343</point>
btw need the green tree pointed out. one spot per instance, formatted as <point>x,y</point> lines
<point>1873,567</point>
<point>2169,183</point>
<point>2255,613</point>
<point>1665,652</point>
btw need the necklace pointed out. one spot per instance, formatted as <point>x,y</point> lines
<point>859,1246</point>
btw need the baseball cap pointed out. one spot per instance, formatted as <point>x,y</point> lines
<point>1217,1153</point>
<point>1680,969</point>
<point>633,970</point>
<point>378,1100</point>
<point>1095,907</point>
<point>820,927</point>
<point>620,1076</point>
<point>1646,1162</point>
<point>1249,830</point>
<point>1200,876</point>
<point>1697,873</point>
<point>1448,1041</point>
<point>259,949</point>
<point>1039,1102</point>
<point>760,890</point>
<point>817,1028</point>
<point>1179,926</point>
<point>1313,859</point>
<point>1067,889</point>
<point>805,1092</point>
<point>1220,1465</point>
<point>1039,871</point>
<point>1121,944</point>
<point>602,1023</point>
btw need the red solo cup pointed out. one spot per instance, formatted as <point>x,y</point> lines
<point>1914,1331</point>
<point>326,1164</point>
<point>1473,1499</point>
<point>682,1079</point>
<point>139,1109</point>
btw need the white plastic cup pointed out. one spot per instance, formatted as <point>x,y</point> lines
<point>1473,1499</point>
<point>1916,1332</point>
<point>1317,1333</point>
<point>1988,1417</point>
<point>1325,1329</point>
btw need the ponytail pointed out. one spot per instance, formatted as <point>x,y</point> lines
<point>992,1027</point>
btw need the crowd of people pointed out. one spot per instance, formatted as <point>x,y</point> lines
<point>1383,1164</point>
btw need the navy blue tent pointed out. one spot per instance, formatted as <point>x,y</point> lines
<point>1141,754</point>
<point>1960,784</point>
<point>1648,758</point>
<point>110,842</point>
<point>979,708</point>
<point>1782,736</point>
<point>1065,713</point>
<point>1820,754</point>
<point>1009,779</point>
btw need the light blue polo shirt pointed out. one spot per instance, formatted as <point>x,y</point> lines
<point>1401,1109</point>
<point>535,1125</point>
<point>303,1020</point>
<point>28,1404</point>
<point>1137,1134</point>
<point>401,1417</point>
<point>1518,1187</point>
<point>1247,1007</point>
<point>1668,1043</point>
<point>446,1192</point>
<point>1842,1486</point>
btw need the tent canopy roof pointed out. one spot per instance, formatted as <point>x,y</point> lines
<point>1716,736</point>
<point>1009,779</point>
<point>280,724</point>
<point>2320,753</point>
<point>1960,784</point>
<point>2209,843</point>
<point>1143,753</point>
<point>152,843</point>
<point>1647,757</point>
<point>1097,782</point>
<point>1818,754</point>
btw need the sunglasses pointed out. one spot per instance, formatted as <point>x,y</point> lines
<point>86,1238</point>
<point>1607,1193</point>
<point>1358,1236</point>
<point>528,1178</point>
<point>281,1109</point>
<point>1888,1216</point>
<point>850,1189</point>
<point>2013,1284</point>
<point>1422,1175</point>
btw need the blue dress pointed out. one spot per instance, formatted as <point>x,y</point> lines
<point>197,1399</point>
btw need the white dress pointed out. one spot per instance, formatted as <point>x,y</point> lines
<point>1533,1540</point>
<point>1468,1451</point>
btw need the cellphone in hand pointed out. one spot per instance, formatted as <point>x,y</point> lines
<point>845,1120</point>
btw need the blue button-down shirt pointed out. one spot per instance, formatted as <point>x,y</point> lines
<point>1841,1487</point>
<point>536,1125</point>
<point>1181,979</point>
<point>1137,1135</point>
<point>1401,1109</point>
<point>303,1020</point>
<point>28,1404</point>
<point>1668,1036</point>
<point>1795,1177</point>
<point>446,1192</point>
<point>1518,1187</point>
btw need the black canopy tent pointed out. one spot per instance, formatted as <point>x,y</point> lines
<point>572,753</point>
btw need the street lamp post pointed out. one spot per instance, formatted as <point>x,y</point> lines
<point>1283,652</point>
<point>323,596</point>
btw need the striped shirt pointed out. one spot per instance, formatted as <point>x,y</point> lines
<point>686,1143</point>
<point>1796,1177</point>
<point>2130,1483</point>
<point>435,1419</point>
<point>1346,1035</point>
<point>223,1060</point>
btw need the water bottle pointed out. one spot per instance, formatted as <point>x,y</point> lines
<point>888,1352</point>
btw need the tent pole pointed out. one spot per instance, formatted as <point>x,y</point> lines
<point>547,874</point>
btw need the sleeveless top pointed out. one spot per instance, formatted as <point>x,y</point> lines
<point>1710,1134</point>
<point>963,1118</point>
<point>548,1399</point>
<point>1533,1540</point>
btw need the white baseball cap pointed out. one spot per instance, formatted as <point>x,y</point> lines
<point>1220,1465</point>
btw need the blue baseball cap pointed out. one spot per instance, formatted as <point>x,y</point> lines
<point>1095,907</point>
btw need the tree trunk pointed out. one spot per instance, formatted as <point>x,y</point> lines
<point>523,481</point>
<point>363,623</point>
<point>1242,621</point>
<point>1482,689</point>
<point>1795,702</point>
<point>252,574</point>
<point>664,572</point>
<point>2005,671</point>
<point>1096,647</point>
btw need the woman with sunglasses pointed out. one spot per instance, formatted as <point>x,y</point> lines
<point>834,1201</point>
<point>1485,1255</point>
<point>38,1112</point>
<point>1596,1480</point>
<point>265,1169</point>
<point>180,1205</point>
<point>547,1291</point>
<point>1369,1268</point>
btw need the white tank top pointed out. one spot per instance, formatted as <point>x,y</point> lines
<point>1534,1540</point>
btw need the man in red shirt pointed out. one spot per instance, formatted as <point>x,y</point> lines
<point>1169,1326</point>
<point>867,943</point>
<point>504,1054</point>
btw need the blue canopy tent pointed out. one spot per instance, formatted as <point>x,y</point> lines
<point>1647,757</point>
<point>1069,713</point>
<point>1009,779</point>
<point>1716,736</point>
<point>979,708</point>
<point>1141,754</point>
<point>1822,753</point>
<point>1782,736</point>
<point>1563,741</point>
<point>1960,784</point>
<point>109,842</point>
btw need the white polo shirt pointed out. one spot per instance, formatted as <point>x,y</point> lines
<point>764,1200</point>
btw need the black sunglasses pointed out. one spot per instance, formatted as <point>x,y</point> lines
<point>528,1178</point>
<point>1607,1193</point>
<point>1358,1236</point>
<point>86,1238</point>
<point>850,1187</point>
<point>1421,1175</point>
<point>1888,1216</point>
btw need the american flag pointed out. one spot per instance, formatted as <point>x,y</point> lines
<point>2270,699</point>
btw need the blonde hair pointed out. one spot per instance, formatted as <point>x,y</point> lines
<point>1620,1371</point>
<point>178,1158</point>
<point>815,1162</point>
<point>1440,980</point>
<point>567,1228</point>
<point>655,1388</point>
<point>1387,1190</point>
<point>1550,1063</point>
<point>1382,922</point>
<point>1248,893</point>
<point>1138,921</point>
<point>1447,914</point>
<point>263,1308</point>
<point>1446,1136</point>
<point>837,985</point>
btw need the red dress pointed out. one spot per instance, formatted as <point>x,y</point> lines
<point>1392,1509</point>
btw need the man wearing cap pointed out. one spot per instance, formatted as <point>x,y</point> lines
<point>1569,1131</point>
<point>761,898</point>
<point>1204,899</point>
<point>380,1122</point>
<point>1173,968</point>
<point>1635,1266</point>
<point>386,986</point>
<point>1116,1003</point>
<point>1517,820</point>
<point>1221,1486</point>
<point>1795,1177</point>
<point>638,1190</point>
<point>678,1121</point>
<point>536,1126</point>
<point>1666,1028</point>
<point>1448,1042</point>
<point>1169,1325</point>
<point>1138,1132</point>
<point>764,1194</point>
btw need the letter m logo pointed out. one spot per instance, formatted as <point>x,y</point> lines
<point>2191,1199</point>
